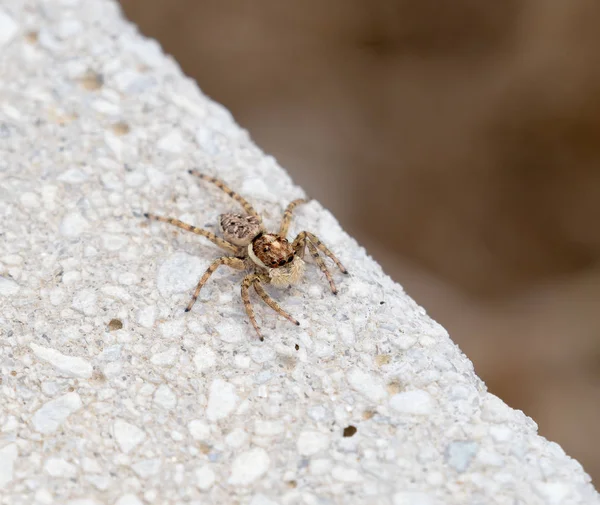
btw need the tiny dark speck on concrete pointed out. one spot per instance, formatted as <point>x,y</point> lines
<point>349,431</point>
<point>297,347</point>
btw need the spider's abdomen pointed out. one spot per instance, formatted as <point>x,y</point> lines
<point>271,251</point>
<point>240,230</point>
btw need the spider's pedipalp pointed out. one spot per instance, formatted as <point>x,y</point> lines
<point>223,244</point>
<point>235,263</point>
<point>226,189</point>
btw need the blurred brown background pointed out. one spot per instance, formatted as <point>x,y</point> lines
<point>459,141</point>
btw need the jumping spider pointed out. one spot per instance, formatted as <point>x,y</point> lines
<point>269,256</point>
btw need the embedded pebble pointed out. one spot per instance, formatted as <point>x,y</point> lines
<point>127,435</point>
<point>8,456</point>
<point>346,474</point>
<point>412,402</point>
<point>205,478</point>
<point>69,365</point>
<point>199,429</point>
<point>249,466</point>
<point>165,397</point>
<point>553,493</point>
<point>236,438</point>
<point>146,316</point>
<point>129,499</point>
<point>8,28</point>
<point>367,385</point>
<point>171,143</point>
<point>86,301</point>
<point>52,414</point>
<point>165,358</point>
<point>8,287</point>
<point>414,498</point>
<point>147,467</point>
<point>180,273</point>
<point>205,358</point>
<point>221,401</point>
<point>73,224</point>
<point>460,453</point>
<point>261,499</point>
<point>58,467</point>
<point>312,442</point>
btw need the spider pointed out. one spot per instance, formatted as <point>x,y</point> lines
<point>270,257</point>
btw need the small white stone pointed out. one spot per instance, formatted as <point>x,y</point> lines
<point>69,365</point>
<point>147,467</point>
<point>85,301</point>
<point>320,466</point>
<point>553,493</point>
<point>73,176</point>
<point>146,316</point>
<point>165,358</point>
<point>29,200</point>
<point>366,384</point>
<point>346,474</point>
<point>412,402</point>
<point>8,287</point>
<point>261,499</point>
<point>90,465</point>
<point>73,224</point>
<point>43,497</point>
<point>413,498</point>
<point>127,435</point>
<point>205,478</point>
<point>8,28</point>
<point>116,292</point>
<point>460,453</point>
<point>113,242</point>
<point>312,442</point>
<point>66,28</point>
<point>236,438</point>
<point>8,456</point>
<point>204,358</point>
<point>148,51</point>
<point>199,429</point>
<point>501,433</point>
<point>179,273</point>
<point>129,499</point>
<point>249,466</point>
<point>268,428</point>
<point>106,107</point>
<point>171,143</point>
<point>165,397</point>
<point>222,400</point>
<point>58,467</point>
<point>52,414</point>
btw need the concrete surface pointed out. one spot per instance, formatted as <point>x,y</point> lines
<point>111,394</point>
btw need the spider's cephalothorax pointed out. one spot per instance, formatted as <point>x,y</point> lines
<point>271,258</point>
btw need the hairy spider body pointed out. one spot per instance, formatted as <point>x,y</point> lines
<point>270,257</point>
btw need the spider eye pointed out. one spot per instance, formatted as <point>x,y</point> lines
<point>282,262</point>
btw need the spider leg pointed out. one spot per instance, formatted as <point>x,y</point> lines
<point>287,216</point>
<point>223,244</point>
<point>236,263</point>
<point>223,187</point>
<point>317,257</point>
<point>299,244</point>
<point>315,240</point>
<point>246,283</point>
<point>272,303</point>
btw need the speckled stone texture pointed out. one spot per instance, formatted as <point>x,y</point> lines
<point>111,394</point>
